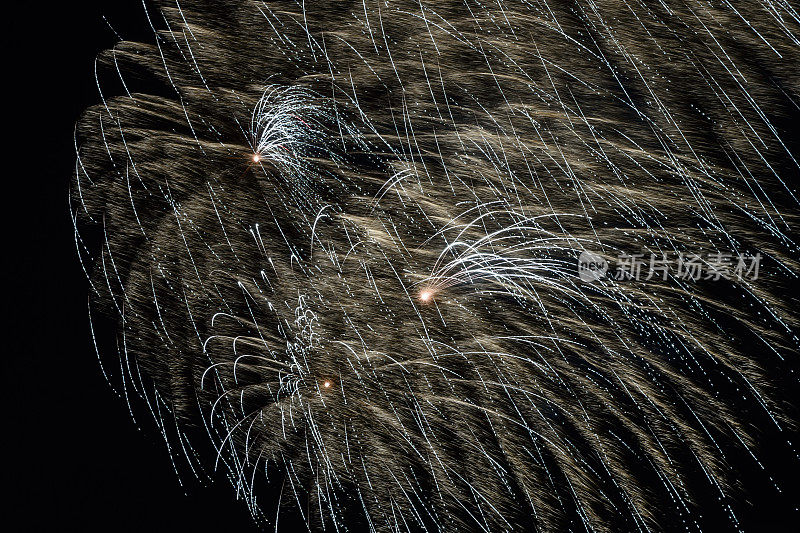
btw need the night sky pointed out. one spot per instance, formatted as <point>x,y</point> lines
<point>74,459</point>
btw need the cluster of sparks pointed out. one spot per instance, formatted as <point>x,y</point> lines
<point>402,291</point>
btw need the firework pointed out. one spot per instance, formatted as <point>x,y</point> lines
<point>340,243</point>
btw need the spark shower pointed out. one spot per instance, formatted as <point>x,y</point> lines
<point>333,252</point>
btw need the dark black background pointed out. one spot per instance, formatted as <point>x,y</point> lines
<point>73,459</point>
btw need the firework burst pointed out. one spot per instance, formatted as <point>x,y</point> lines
<point>341,245</point>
